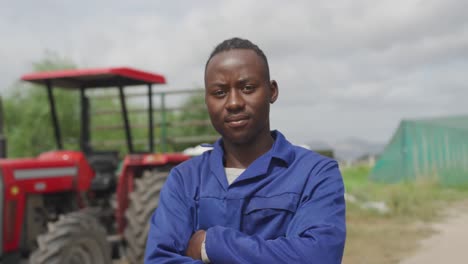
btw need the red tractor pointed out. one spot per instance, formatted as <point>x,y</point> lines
<point>72,206</point>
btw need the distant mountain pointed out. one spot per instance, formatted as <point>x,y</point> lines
<point>319,145</point>
<point>349,149</point>
<point>354,148</point>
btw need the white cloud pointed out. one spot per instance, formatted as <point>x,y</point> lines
<point>345,68</point>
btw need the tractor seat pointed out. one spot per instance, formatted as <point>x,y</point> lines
<point>105,164</point>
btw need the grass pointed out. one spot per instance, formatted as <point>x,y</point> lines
<point>374,237</point>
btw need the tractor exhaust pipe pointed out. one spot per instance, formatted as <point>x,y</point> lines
<point>3,143</point>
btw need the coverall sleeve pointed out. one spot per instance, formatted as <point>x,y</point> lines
<point>316,233</point>
<point>171,225</point>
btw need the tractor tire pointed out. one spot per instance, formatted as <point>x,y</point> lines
<point>76,238</point>
<point>143,202</point>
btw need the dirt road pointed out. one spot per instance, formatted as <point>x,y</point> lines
<point>450,242</point>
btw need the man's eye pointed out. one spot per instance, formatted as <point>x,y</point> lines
<point>219,93</point>
<point>248,88</point>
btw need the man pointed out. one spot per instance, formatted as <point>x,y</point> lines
<point>254,198</point>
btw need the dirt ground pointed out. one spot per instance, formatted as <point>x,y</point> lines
<point>450,242</point>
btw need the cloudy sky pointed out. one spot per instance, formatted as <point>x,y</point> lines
<point>346,68</point>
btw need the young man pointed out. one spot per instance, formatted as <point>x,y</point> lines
<point>254,198</point>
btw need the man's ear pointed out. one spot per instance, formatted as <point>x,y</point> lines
<point>273,91</point>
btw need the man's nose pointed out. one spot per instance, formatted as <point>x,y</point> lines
<point>235,101</point>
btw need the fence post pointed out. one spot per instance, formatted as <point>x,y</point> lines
<point>163,123</point>
<point>3,146</point>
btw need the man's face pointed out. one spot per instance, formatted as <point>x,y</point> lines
<point>238,95</point>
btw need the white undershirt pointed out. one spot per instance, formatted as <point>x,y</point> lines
<point>231,174</point>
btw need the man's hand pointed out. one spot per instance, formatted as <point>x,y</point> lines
<point>195,243</point>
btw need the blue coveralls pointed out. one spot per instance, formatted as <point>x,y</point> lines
<point>287,207</point>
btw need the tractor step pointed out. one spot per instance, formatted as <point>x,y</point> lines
<point>114,238</point>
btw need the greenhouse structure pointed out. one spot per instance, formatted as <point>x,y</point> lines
<point>427,149</point>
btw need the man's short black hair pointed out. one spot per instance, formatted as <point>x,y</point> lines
<point>239,43</point>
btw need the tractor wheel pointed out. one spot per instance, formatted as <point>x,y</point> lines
<point>76,238</point>
<point>143,201</point>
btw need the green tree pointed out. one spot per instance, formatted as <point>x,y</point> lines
<point>28,126</point>
<point>195,123</point>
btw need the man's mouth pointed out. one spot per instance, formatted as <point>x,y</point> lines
<point>237,121</point>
